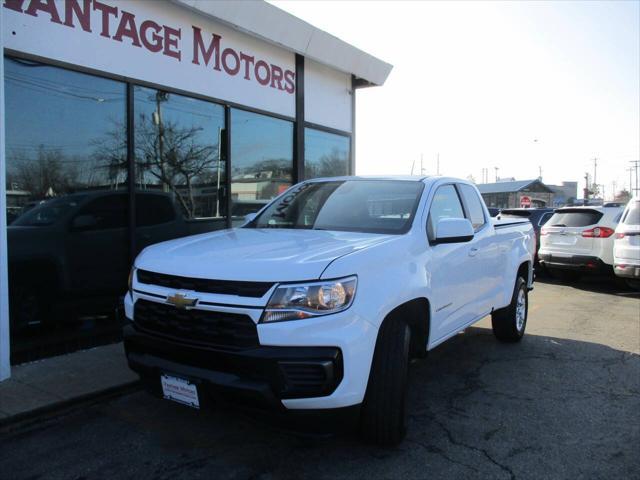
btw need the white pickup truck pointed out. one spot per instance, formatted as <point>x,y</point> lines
<point>319,302</point>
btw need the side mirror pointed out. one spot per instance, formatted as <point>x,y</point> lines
<point>249,217</point>
<point>84,222</point>
<point>453,230</point>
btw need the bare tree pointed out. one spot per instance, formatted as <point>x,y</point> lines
<point>49,173</point>
<point>329,165</point>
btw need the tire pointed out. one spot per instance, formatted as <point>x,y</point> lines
<point>384,418</point>
<point>510,322</point>
<point>566,275</point>
<point>27,307</point>
<point>634,284</point>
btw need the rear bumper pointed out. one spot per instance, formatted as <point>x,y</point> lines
<point>582,263</point>
<point>627,270</point>
<point>258,377</point>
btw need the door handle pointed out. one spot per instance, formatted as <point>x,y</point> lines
<point>473,252</point>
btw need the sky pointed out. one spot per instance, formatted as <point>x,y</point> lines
<point>521,86</point>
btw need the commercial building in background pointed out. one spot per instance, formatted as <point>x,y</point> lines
<point>517,193</point>
<point>129,123</point>
<point>565,194</point>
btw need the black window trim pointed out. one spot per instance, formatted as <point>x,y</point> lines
<point>455,189</point>
<point>465,207</point>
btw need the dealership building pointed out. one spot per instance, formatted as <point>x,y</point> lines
<point>125,123</point>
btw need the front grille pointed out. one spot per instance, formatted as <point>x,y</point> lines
<point>223,287</point>
<point>220,329</point>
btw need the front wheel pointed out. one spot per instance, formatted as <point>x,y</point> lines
<point>510,322</point>
<point>383,418</point>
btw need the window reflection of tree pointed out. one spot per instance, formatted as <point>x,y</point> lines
<point>330,164</point>
<point>173,157</point>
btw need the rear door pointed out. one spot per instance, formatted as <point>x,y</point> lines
<point>564,231</point>
<point>156,220</point>
<point>627,243</point>
<point>484,255</point>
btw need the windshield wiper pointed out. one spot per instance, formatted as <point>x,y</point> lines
<point>558,225</point>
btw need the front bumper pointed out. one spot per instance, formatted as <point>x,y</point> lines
<point>254,377</point>
<point>340,346</point>
<point>627,270</point>
<point>582,263</point>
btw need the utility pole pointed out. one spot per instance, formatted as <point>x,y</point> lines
<point>540,172</point>
<point>421,168</point>
<point>586,188</point>
<point>595,169</point>
<point>636,165</point>
<point>496,169</point>
<point>630,170</point>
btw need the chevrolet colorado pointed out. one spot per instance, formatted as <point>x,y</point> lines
<point>320,301</point>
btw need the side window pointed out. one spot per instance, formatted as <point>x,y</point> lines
<point>109,211</point>
<point>445,204</point>
<point>154,209</point>
<point>474,206</point>
<point>545,218</point>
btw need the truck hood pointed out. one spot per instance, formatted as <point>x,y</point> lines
<point>273,255</point>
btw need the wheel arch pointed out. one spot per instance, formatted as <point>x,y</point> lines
<point>417,314</point>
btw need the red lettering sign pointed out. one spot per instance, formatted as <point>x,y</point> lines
<point>121,26</point>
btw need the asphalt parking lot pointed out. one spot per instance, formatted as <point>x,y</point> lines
<point>564,403</point>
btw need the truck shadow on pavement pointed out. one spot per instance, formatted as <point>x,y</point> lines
<point>546,407</point>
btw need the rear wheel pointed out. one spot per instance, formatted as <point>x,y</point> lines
<point>510,322</point>
<point>634,284</point>
<point>384,411</point>
<point>566,275</point>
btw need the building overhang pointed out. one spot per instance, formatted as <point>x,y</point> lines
<point>273,25</point>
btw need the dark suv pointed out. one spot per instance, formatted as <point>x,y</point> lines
<point>537,216</point>
<point>75,249</point>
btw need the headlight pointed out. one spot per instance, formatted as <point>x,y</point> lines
<point>130,281</point>
<point>304,300</point>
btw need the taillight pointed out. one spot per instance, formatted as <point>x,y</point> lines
<point>620,235</point>
<point>598,232</point>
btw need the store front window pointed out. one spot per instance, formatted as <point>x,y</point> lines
<point>180,167</point>
<point>325,154</point>
<point>261,158</point>
<point>66,204</point>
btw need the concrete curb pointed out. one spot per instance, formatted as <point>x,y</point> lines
<point>37,415</point>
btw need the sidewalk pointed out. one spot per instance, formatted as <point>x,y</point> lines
<point>55,383</point>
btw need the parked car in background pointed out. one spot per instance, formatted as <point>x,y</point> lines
<point>319,303</point>
<point>493,211</point>
<point>626,247</point>
<point>537,216</point>
<point>56,247</point>
<point>578,240</point>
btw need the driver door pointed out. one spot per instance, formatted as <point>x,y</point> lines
<point>453,280</point>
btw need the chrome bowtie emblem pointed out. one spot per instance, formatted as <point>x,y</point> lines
<point>180,300</point>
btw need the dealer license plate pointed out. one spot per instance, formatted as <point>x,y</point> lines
<point>180,390</point>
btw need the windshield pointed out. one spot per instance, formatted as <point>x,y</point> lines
<point>371,206</point>
<point>48,213</point>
